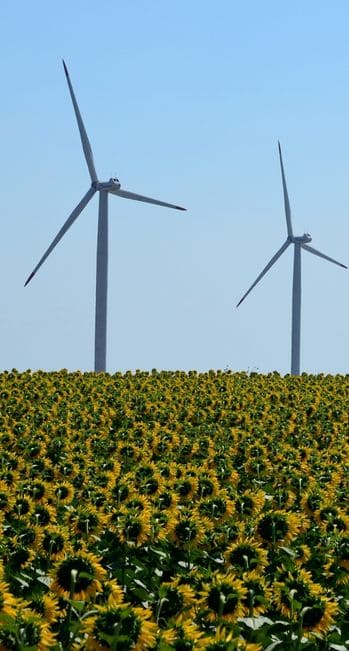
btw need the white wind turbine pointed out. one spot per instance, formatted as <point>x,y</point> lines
<point>104,188</point>
<point>300,242</point>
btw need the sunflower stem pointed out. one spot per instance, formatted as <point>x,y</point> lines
<point>250,602</point>
<point>73,577</point>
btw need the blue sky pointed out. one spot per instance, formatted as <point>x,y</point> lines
<point>182,101</point>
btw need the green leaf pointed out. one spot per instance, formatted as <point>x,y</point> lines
<point>255,622</point>
<point>273,645</point>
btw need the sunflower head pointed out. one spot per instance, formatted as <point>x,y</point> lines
<point>37,490</point>
<point>216,508</point>
<point>121,627</point>
<point>187,529</point>
<point>9,605</point>
<point>35,633</point>
<point>318,616</point>
<point>63,492</point>
<point>55,542</point>
<point>78,576</point>
<point>246,555</point>
<point>47,606</point>
<point>183,636</point>
<point>86,521</point>
<point>222,599</point>
<point>186,487</point>
<point>259,593</point>
<point>249,503</point>
<point>173,599</point>
<point>277,527</point>
<point>295,591</point>
<point>111,594</point>
<point>134,528</point>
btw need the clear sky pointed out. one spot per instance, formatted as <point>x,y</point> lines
<point>183,101</point>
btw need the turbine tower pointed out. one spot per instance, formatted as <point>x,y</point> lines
<point>104,188</point>
<point>300,242</point>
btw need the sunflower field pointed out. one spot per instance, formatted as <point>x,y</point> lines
<point>174,511</point>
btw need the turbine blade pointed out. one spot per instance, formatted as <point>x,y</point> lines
<point>322,255</point>
<point>268,266</point>
<point>83,135</point>
<point>71,219</point>
<point>286,199</point>
<point>139,197</point>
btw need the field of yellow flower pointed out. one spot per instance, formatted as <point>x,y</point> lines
<point>174,511</point>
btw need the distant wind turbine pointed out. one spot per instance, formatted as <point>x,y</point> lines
<point>300,242</point>
<point>112,186</point>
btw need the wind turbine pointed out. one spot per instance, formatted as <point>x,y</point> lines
<point>300,242</point>
<point>104,188</point>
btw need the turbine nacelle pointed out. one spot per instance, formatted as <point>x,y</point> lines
<point>301,239</point>
<point>109,186</point>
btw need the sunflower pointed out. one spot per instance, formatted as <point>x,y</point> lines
<point>129,626</point>
<point>246,554</point>
<point>6,499</point>
<point>260,467</point>
<point>175,599</point>
<point>127,453</point>
<point>282,497</point>
<point>134,529</point>
<point>342,552</point>
<point>43,514</point>
<point>332,519</point>
<point>103,480</point>
<point>35,632</point>
<point>29,536</point>
<point>184,635</point>
<point>47,606</point>
<point>223,640</point>
<point>223,598</point>
<point>217,508</point>
<point>161,524</point>
<point>137,504</point>
<point>8,603</point>
<point>185,488</point>
<point>336,565</point>
<point>55,543</point>
<point>98,498</point>
<point>187,529</point>
<point>208,484</point>
<point>37,490</point>
<point>21,507</point>
<point>86,521</point>
<point>259,593</point>
<point>121,489</point>
<point>166,500</point>
<point>63,492</point>
<point>20,556</point>
<point>144,472</point>
<point>312,499</point>
<point>111,594</point>
<point>151,485</point>
<point>294,591</point>
<point>249,503</point>
<point>278,526</point>
<point>67,469</point>
<point>318,616</point>
<point>302,554</point>
<point>78,576</point>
